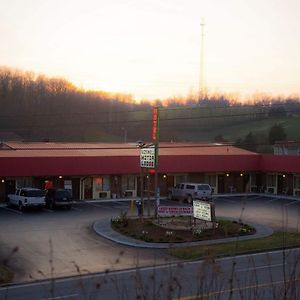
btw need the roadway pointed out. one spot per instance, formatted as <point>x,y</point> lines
<point>273,275</point>
<point>61,243</point>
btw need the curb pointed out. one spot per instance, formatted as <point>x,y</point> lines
<point>103,229</point>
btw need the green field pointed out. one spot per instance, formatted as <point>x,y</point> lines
<point>235,131</point>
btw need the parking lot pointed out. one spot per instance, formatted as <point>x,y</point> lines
<point>64,240</point>
<point>278,213</point>
<point>62,243</point>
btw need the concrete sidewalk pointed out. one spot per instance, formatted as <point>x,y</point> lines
<point>104,229</point>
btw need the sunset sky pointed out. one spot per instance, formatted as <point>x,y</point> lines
<point>151,48</point>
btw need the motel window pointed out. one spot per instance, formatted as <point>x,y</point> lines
<point>296,182</point>
<point>271,180</point>
<point>128,182</point>
<point>24,182</point>
<point>180,178</point>
<point>211,179</point>
<point>253,179</point>
<point>102,183</point>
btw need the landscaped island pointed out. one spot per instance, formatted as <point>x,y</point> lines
<point>178,229</point>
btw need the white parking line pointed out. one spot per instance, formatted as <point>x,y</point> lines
<point>12,210</point>
<point>260,267</point>
<point>273,200</point>
<point>291,203</point>
<point>61,297</point>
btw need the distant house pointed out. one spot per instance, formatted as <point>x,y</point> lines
<point>286,148</point>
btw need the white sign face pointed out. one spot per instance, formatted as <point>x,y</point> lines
<point>202,210</point>
<point>147,157</point>
<point>170,211</point>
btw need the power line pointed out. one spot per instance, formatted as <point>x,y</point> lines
<point>114,122</point>
<point>206,106</point>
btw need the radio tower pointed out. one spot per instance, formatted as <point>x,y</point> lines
<point>201,79</point>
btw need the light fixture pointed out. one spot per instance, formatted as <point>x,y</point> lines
<point>2,180</point>
<point>283,175</point>
<point>241,174</point>
<point>227,174</point>
<point>165,176</point>
<point>60,177</point>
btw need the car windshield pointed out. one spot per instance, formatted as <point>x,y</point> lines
<point>203,187</point>
<point>34,193</point>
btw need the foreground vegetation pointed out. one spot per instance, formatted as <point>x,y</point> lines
<point>6,275</point>
<point>278,240</point>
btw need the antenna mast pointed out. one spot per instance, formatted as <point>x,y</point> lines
<point>201,79</point>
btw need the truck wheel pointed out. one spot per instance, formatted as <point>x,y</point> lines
<point>189,199</point>
<point>20,206</point>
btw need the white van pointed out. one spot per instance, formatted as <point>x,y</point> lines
<point>187,191</point>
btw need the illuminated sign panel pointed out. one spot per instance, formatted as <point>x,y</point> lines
<point>202,210</point>
<point>155,125</point>
<point>170,211</point>
<point>147,157</point>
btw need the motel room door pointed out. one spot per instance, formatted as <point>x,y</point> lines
<point>88,188</point>
<point>221,183</point>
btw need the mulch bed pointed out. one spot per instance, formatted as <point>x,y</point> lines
<point>150,230</point>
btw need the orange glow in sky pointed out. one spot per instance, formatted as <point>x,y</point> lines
<point>151,48</point>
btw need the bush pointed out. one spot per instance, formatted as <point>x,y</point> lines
<point>120,221</point>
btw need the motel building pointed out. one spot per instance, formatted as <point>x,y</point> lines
<point>105,171</point>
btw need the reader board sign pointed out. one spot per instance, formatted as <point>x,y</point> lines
<point>147,157</point>
<point>175,211</point>
<point>202,210</point>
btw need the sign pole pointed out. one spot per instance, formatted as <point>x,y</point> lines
<point>155,139</point>
<point>142,190</point>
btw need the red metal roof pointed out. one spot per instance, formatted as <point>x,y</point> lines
<point>46,159</point>
<point>19,149</point>
<point>280,163</point>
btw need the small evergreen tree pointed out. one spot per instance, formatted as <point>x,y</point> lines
<point>276,133</point>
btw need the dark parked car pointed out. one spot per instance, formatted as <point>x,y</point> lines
<point>58,197</point>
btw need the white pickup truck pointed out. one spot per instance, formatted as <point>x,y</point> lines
<point>25,197</point>
<point>187,191</point>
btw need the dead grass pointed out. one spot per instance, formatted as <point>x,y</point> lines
<point>6,275</point>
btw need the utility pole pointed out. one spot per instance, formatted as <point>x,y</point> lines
<point>201,73</point>
<point>155,140</point>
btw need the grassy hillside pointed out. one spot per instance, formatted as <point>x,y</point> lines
<point>234,131</point>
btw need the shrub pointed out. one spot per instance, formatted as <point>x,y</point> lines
<point>120,221</point>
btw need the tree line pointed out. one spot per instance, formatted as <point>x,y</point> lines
<point>41,108</point>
